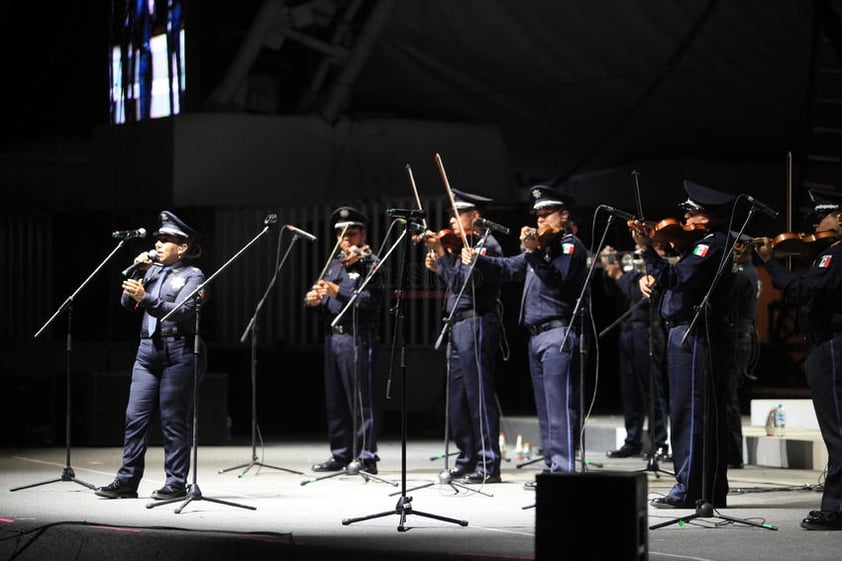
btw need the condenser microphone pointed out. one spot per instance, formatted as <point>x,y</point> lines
<point>766,209</point>
<point>129,234</point>
<point>133,268</point>
<point>408,213</point>
<point>493,226</point>
<point>618,213</point>
<point>301,233</point>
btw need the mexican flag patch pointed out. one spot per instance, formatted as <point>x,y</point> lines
<point>701,250</point>
<point>568,248</point>
<point>825,261</point>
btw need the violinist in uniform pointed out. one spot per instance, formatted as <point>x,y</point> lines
<point>698,362</point>
<point>553,267</point>
<point>349,346</point>
<point>818,295</point>
<point>475,334</point>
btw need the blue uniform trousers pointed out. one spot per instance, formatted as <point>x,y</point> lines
<point>696,414</point>
<point>555,384</point>
<point>472,404</point>
<point>348,378</point>
<point>823,366</point>
<point>162,382</point>
<point>637,372</point>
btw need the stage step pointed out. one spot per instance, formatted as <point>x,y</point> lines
<point>801,447</point>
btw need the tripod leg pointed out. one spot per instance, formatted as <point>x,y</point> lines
<point>195,494</point>
<point>67,474</point>
<point>274,467</point>
<point>314,479</point>
<point>232,468</point>
<point>37,484</point>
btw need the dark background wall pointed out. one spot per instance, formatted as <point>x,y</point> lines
<point>321,106</point>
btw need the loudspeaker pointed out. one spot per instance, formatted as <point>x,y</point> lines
<point>570,506</point>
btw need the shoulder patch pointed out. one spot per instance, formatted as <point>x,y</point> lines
<point>825,261</point>
<point>701,250</point>
<point>568,248</point>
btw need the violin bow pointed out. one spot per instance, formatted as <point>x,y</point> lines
<point>415,192</point>
<point>452,200</point>
<point>789,201</point>
<point>638,203</point>
<point>332,253</point>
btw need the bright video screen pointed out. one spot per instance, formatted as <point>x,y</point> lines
<point>148,69</point>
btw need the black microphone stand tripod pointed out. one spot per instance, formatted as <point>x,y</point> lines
<point>577,312</point>
<point>67,473</point>
<point>444,475</point>
<point>704,506</point>
<point>355,467</point>
<point>252,328</point>
<point>652,455</point>
<point>403,508</point>
<point>194,493</point>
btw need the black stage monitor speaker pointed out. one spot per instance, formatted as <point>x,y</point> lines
<point>569,506</point>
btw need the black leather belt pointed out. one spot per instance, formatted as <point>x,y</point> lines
<point>464,314</point>
<point>165,332</point>
<point>546,326</point>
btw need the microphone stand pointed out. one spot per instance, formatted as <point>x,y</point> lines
<point>355,467</point>
<point>444,476</point>
<point>403,508</point>
<point>252,328</point>
<point>652,456</point>
<point>704,507</point>
<point>193,491</point>
<point>576,312</point>
<point>67,473</point>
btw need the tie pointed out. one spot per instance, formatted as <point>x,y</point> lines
<point>151,321</point>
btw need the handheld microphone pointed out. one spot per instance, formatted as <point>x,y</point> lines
<point>301,233</point>
<point>270,219</point>
<point>618,213</point>
<point>408,213</point>
<point>493,226</point>
<point>763,207</point>
<point>129,234</point>
<point>132,269</point>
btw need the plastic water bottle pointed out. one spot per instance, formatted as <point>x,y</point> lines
<point>780,420</point>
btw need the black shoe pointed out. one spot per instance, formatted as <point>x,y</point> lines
<point>531,485</point>
<point>459,472</point>
<point>331,465</point>
<point>369,466</point>
<point>481,477</point>
<point>169,492</point>
<point>670,502</point>
<point>735,466</point>
<point>116,490</point>
<point>625,451</point>
<point>820,520</point>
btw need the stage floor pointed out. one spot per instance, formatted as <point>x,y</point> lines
<point>296,516</point>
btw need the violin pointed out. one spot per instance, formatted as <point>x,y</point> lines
<point>451,240</point>
<point>545,234</point>
<point>795,244</point>
<point>672,231</point>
